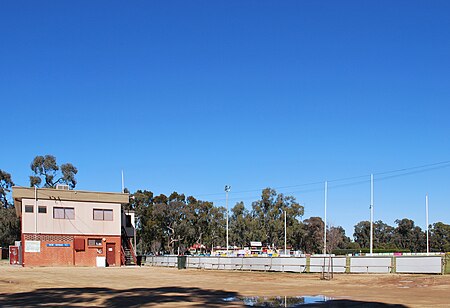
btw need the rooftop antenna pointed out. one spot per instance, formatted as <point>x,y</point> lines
<point>123,185</point>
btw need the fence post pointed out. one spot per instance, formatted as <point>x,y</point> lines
<point>393,264</point>
<point>308,264</point>
<point>446,267</point>
<point>347,264</point>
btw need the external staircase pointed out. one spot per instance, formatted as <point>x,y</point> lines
<point>127,256</point>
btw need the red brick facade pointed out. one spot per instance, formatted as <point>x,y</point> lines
<point>59,250</point>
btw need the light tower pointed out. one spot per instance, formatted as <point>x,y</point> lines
<point>227,190</point>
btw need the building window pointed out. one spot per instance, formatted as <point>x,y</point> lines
<point>42,209</point>
<point>100,214</point>
<point>63,213</point>
<point>95,242</point>
<point>29,208</point>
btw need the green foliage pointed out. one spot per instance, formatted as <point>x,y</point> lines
<point>174,223</point>
<point>313,237</point>
<point>362,234</point>
<point>9,226</point>
<point>440,237</point>
<point>409,236</point>
<point>405,237</point>
<point>241,226</point>
<point>46,169</point>
<point>5,187</point>
<point>9,223</point>
<point>268,212</point>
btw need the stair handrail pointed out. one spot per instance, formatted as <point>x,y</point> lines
<point>132,250</point>
<point>128,243</point>
<point>122,255</point>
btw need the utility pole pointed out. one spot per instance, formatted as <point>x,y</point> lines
<point>371,214</point>
<point>227,190</point>
<point>426,221</point>
<point>325,221</point>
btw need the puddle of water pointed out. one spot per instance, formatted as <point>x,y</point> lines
<point>278,301</point>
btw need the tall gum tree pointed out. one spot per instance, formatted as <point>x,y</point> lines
<point>47,172</point>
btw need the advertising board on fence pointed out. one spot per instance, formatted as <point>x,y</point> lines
<point>313,264</point>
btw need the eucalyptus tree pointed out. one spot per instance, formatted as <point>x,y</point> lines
<point>269,214</point>
<point>313,235</point>
<point>240,226</point>
<point>409,236</point>
<point>440,237</point>
<point>5,188</point>
<point>46,171</point>
<point>9,222</point>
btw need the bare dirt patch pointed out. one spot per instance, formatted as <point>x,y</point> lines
<point>168,287</point>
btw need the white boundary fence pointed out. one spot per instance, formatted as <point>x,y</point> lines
<point>312,264</point>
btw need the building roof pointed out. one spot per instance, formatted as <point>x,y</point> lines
<point>20,193</point>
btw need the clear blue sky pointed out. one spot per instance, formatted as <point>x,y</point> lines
<point>190,96</point>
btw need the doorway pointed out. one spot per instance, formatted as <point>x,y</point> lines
<point>110,254</point>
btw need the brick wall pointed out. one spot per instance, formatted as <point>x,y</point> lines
<point>58,250</point>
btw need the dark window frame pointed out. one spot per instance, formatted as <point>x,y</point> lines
<point>65,214</point>
<point>28,207</point>
<point>42,207</point>
<point>103,214</point>
<point>98,242</point>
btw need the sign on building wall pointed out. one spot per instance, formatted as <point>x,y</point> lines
<point>32,246</point>
<point>58,245</point>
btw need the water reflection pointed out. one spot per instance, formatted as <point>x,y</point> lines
<point>278,301</point>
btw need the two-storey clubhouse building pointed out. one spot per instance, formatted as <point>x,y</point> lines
<point>62,227</point>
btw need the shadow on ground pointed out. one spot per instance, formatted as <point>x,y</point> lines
<point>136,297</point>
<point>352,303</point>
<point>105,297</point>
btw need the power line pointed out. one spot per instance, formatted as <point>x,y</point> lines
<point>388,175</point>
<point>438,165</point>
<point>447,162</point>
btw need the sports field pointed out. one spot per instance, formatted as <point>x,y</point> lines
<point>168,287</point>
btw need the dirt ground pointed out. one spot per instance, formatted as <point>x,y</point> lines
<point>168,287</point>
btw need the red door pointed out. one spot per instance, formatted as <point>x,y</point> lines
<point>110,254</point>
<point>13,255</point>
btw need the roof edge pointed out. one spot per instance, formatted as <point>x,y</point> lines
<point>20,193</point>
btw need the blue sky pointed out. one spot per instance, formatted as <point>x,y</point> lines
<point>190,96</point>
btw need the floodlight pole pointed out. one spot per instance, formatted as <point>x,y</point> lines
<point>371,214</point>
<point>285,232</point>
<point>426,218</point>
<point>227,190</point>
<point>325,221</point>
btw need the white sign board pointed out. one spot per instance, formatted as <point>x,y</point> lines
<point>32,246</point>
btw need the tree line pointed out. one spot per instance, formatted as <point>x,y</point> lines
<point>173,223</point>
